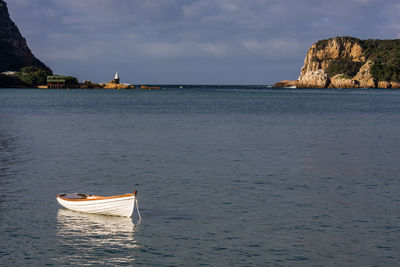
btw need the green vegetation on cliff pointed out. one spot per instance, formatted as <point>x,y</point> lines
<point>33,76</point>
<point>386,57</point>
<point>343,66</point>
<point>29,76</point>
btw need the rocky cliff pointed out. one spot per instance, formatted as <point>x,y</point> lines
<point>14,52</point>
<point>347,62</point>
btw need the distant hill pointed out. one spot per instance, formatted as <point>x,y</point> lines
<point>14,52</point>
<point>348,62</point>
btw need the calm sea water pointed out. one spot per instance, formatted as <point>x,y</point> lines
<point>226,177</point>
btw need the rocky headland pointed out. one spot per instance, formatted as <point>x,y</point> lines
<point>14,52</point>
<point>347,62</point>
<point>18,66</point>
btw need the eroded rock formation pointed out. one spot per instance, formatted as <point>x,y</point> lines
<point>364,76</point>
<point>313,79</point>
<point>341,81</point>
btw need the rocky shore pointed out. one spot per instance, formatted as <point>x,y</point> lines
<point>347,62</point>
<point>114,85</point>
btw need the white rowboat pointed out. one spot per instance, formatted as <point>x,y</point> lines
<point>121,205</point>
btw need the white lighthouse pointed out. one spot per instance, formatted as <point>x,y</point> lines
<point>116,78</point>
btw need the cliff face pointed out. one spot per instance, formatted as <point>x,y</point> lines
<point>14,52</point>
<point>322,53</point>
<point>346,62</point>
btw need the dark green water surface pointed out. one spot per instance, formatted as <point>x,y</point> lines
<point>226,177</point>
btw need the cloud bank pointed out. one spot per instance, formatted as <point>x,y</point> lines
<point>193,41</point>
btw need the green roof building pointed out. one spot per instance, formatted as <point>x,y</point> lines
<point>61,82</point>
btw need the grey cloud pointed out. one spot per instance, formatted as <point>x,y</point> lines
<point>181,40</point>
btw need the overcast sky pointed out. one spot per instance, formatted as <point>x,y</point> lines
<point>193,41</point>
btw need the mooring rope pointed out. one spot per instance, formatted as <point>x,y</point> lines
<point>137,207</point>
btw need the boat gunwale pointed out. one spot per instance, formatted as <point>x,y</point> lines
<point>93,197</point>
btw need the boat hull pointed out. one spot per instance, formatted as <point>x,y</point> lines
<point>119,205</point>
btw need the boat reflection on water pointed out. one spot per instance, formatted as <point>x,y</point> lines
<point>95,239</point>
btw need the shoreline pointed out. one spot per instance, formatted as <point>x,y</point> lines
<point>207,88</point>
